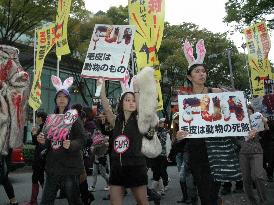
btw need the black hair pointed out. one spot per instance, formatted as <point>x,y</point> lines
<point>89,113</point>
<point>120,110</point>
<point>250,108</point>
<point>79,108</point>
<point>43,115</point>
<point>190,69</point>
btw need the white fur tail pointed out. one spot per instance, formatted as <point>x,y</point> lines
<point>147,100</point>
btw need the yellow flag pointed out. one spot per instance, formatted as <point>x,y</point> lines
<point>62,47</point>
<point>258,45</point>
<point>148,18</point>
<point>45,41</point>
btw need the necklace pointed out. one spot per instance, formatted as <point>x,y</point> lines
<point>200,92</point>
<point>124,126</point>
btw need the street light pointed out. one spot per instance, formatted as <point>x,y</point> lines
<point>248,71</point>
<point>228,52</point>
<point>230,67</point>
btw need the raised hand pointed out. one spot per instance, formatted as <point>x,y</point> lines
<point>41,138</point>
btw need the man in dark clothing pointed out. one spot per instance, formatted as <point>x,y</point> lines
<point>267,142</point>
<point>38,164</point>
<point>159,164</point>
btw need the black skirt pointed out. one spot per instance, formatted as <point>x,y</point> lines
<point>128,176</point>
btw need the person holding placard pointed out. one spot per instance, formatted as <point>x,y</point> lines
<point>202,151</point>
<point>128,164</point>
<point>251,160</point>
<point>65,138</point>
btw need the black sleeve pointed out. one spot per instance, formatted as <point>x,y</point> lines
<point>34,137</point>
<point>177,147</point>
<point>77,136</point>
<point>172,153</point>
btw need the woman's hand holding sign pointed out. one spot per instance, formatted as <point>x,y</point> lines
<point>41,138</point>
<point>181,134</point>
<point>100,89</point>
<point>66,144</point>
<point>252,134</point>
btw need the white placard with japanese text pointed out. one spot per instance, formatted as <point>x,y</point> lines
<point>214,114</point>
<point>109,51</point>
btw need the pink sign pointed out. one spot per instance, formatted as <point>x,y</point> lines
<point>57,127</point>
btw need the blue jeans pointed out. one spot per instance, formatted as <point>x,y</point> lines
<point>68,183</point>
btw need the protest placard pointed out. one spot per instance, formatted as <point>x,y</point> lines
<point>214,114</point>
<point>108,52</point>
<point>57,127</point>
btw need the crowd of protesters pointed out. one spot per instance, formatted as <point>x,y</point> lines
<point>109,144</point>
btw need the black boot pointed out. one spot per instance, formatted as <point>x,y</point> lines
<point>62,194</point>
<point>184,192</point>
<point>153,195</point>
<point>86,195</point>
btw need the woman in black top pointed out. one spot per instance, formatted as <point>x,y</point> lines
<point>198,157</point>
<point>64,161</point>
<point>128,164</point>
<point>208,186</point>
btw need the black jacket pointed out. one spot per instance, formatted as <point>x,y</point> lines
<point>68,161</point>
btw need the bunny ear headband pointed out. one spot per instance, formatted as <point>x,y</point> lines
<point>200,51</point>
<point>126,87</point>
<point>57,83</point>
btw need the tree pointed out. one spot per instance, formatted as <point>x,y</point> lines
<point>118,15</point>
<point>171,54</point>
<point>20,17</point>
<point>249,11</point>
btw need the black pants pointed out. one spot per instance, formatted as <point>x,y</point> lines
<point>268,158</point>
<point>228,185</point>
<point>70,185</point>
<point>38,175</point>
<point>6,181</point>
<point>159,166</point>
<point>208,189</point>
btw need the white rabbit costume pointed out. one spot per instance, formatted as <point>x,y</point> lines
<point>14,91</point>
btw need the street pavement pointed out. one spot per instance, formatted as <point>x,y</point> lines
<point>21,180</point>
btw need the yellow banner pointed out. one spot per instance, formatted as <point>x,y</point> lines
<point>148,18</point>
<point>45,40</point>
<point>258,45</point>
<point>62,47</point>
<point>159,96</point>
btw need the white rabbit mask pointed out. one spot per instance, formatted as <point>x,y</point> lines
<point>200,51</point>
<point>57,83</point>
<point>126,87</point>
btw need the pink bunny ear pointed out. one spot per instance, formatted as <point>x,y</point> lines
<point>201,51</point>
<point>68,82</point>
<point>188,51</point>
<point>56,81</point>
<point>126,79</point>
<point>124,84</point>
